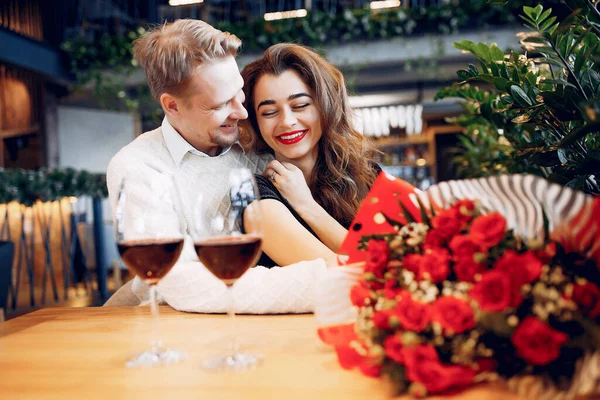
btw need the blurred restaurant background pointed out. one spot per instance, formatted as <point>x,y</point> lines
<point>71,97</point>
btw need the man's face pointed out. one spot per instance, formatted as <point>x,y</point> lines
<point>208,117</point>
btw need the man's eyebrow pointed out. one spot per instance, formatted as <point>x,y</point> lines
<point>226,101</point>
<point>290,97</point>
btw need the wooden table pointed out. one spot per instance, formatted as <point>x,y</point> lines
<point>79,353</point>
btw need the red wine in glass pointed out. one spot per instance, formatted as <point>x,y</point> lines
<point>229,257</point>
<point>151,259</point>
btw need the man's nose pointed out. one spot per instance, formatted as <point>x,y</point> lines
<point>239,111</point>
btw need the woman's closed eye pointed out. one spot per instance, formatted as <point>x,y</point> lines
<point>301,106</point>
<point>268,113</point>
<point>297,107</point>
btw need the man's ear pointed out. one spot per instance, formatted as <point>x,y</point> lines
<point>170,104</point>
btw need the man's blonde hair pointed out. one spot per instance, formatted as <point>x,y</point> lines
<point>170,53</point>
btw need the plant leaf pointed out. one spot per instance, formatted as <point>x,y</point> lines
<point>407,215</point>
<point>424,217</point>
<point>520,96</point>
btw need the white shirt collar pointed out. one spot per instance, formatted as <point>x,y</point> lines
<point>178,147</point>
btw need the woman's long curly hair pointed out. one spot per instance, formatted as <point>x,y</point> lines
<point>344,171</point>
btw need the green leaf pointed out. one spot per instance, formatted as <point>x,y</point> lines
<point>546,224</point>
<point>529,11</point>
<point>545,15</point>
<point>520,96</point>
<point>463,75</point>
<point>515,76</point>
<point>424,217</point>
<point>396,224</point>
<point>407,215</point>
<point>472,70</point>
<point>496,54</point>
<point>579,134</point>
<point>546,24</point>
<point>504,71</point>
<point>465,45</point>
<point>483,51</point>
<point>558,82</point>
<point>495,70</point>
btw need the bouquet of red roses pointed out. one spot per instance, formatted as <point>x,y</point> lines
<point>452,292</point>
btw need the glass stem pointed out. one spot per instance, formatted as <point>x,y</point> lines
<point>233,327</point>
<point>156,342</point>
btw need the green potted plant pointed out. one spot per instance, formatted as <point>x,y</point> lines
<point>545,100</point>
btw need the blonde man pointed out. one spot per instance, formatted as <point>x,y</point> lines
<point>192,73</point>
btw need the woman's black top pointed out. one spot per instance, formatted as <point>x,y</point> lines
<point>268,190</point>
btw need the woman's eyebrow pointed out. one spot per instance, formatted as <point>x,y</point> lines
<point>290,97</point>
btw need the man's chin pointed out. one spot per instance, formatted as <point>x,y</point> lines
<point>227,139</point>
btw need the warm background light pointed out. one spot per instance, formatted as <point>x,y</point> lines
<point>183,2</point>
<point>285,14</point>
<point>377,5</point>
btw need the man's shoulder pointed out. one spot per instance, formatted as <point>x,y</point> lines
<point>148,144</point>
<point>257,161</point>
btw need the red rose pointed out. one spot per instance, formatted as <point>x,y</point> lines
<point>447,223</point>
<point>391,289</point>
<point>493,292</point>
<point>536,342</point>
<point>488,230</point>
<point>453,314</point>
<point>412,262</point>
<point>463,246</point>
<point>413,315</point>
<point>434,239</point>
<point>587,297</point>
<point>423,366</point>
<point>522,268</point>
<point>486,365</point>
<point>381,319</point>
<point>465,210</point>
<point>393,348</point>
<point>466,269</point>
<point>435,266</point>
<point>359,294</point>
<point>378,255</point>
<point>419,353</point>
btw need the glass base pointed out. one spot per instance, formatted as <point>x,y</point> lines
<point>238,362</point>
<point>149,359</point>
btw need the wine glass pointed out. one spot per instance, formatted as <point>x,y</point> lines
<point>228,242</point>
<point>150,239</point>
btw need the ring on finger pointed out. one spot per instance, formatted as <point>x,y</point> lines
<point>272,176</point>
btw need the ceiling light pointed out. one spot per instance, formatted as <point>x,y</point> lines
<point>286,14</point>
<point>174,3</point>
<point>378,5</point>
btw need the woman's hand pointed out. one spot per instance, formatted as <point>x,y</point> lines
<point>290,182</point>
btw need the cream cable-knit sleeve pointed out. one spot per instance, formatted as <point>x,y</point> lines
<point>191,287</point>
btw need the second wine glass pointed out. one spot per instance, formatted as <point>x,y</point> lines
<point>228,243</point>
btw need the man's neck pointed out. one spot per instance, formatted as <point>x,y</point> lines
<point>211,151</point>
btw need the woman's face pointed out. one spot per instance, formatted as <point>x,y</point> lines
<point>287,116</point>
